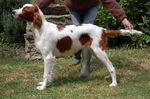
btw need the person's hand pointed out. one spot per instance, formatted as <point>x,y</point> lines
<point>127,24</point>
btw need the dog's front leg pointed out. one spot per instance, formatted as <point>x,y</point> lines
<point>48,68</point>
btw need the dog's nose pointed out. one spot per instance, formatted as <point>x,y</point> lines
<point>13,12</point>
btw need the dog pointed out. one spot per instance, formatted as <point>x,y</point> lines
<point>59,40</point>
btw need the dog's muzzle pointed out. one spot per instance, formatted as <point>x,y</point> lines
<point>15,13</point>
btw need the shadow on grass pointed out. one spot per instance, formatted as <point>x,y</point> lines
<point>127,71</point>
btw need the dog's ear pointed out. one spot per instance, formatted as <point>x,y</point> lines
<point>37,21</point>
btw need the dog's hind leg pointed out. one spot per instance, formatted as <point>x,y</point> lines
<point>49,61</point>
<point>101,55</point>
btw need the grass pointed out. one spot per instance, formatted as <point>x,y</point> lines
<point>19,78</point>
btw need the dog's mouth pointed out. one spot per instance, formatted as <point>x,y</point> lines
<point>15,13</point>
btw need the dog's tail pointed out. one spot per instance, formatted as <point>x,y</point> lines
<point>121,32</point>
<point>115,33</point>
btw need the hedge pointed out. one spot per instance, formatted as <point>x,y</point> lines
<point>138,12</point>
<point>11,30</point>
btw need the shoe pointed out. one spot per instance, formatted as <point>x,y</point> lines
<point>85,71</point>
<point>74,61</point>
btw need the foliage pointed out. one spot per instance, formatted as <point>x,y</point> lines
<point>32,1</point>
<point>138,12</point>
<point>11,28</point>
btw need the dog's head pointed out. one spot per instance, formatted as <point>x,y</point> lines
<point>30,13</point>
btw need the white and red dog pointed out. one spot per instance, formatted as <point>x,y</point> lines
<point>59,40</point>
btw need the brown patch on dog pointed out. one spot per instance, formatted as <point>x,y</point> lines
<point>64,44</point>
<point>103,42</point>
<point>61,27</point>
<point>78,25</point>
<point>85,40</point>
<point>112,32</point>
<point>103,37</point>
<point>37,21</point>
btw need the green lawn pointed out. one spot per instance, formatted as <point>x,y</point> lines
<point>19,78</point>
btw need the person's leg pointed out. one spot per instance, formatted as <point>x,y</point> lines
<point>83,17</point>
<point>89,16</point>
<point>77,19</point>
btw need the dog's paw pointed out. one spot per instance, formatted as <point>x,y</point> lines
<point>40,83</point>
<point>41,88</point>
<point>49,81</point>
<point>113,85</point>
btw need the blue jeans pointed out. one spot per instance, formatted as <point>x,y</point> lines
<point>83,17</point>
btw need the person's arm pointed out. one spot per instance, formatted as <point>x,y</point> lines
<point>42,4</point>
<point>117,12</point>
<point>115,9</point>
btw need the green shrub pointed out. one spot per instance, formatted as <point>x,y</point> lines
<point>32,1</point>
<point>138,12</point>
<point>11,29</point>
